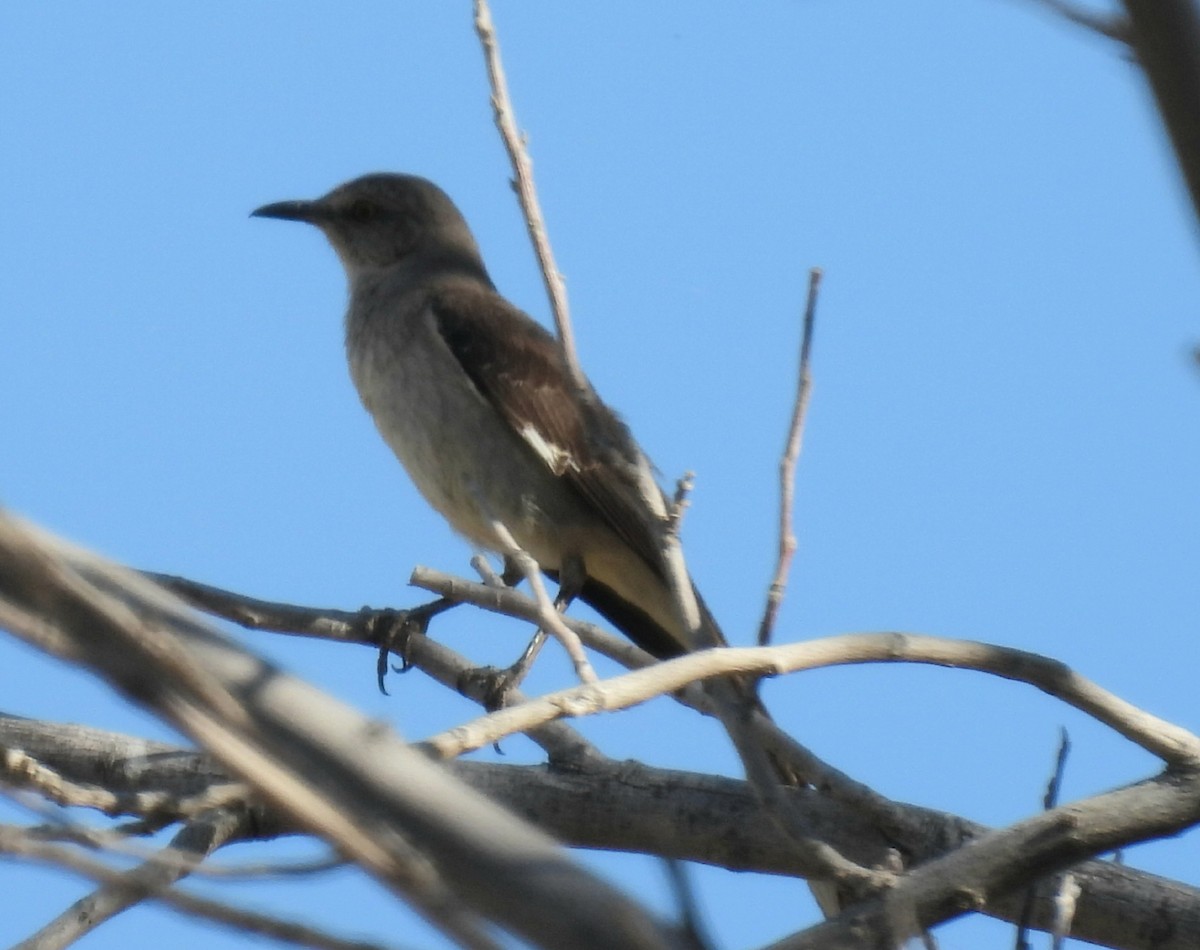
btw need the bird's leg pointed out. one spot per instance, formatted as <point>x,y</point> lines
<point>513,573</point>
<point>570,582</point>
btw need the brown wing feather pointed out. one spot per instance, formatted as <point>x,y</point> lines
<point>519,368</point>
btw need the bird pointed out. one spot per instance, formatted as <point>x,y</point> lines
<point>478,402</point>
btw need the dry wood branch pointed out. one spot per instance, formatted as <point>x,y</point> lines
<point>350,781</point>
<point>1165,38</point>
<point>254,614</point>
<point>16,843</point>
<point>690,817</point>
<point>787,466</point>
<point>1175,745</point>
<point>1047,675</point>
<point>1049,800</point>
<point>439,662</point>
<point>122,775</point>
<point>20,770</point>
<point>564,745</point>
<point>522,182</point>
<point>992,866</point>
<point>194,842</point>
<point>512,603</point>
<point>549,619</point>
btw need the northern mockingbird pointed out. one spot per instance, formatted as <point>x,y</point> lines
<point>476,400</point>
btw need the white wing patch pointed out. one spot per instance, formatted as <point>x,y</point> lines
<point>556,457</point>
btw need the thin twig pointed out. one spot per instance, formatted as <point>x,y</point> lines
<point>522,182</point>
<point>549,619</point>
<point>255,614</point>
<point>1166,740</point>
<point>1174,744</point>
<point>194,842</point>
<point>680,501</point>
<point>510,602</point>
<point>15,843</point>
<point>126,839</point>
<point>435,660</point>
<point>678,579</point>
<point>22,770</point>
<point>1049,801</point>
<point>737,708</point>
<point>1054,786</point>
<point>787,467</point>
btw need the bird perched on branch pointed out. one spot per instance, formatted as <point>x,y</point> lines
<point>477,401</point>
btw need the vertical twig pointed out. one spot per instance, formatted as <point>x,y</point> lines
<point>550,619</point>
<point>700,635</point>
<point>787,467</point>
<point>518,154</point>
<point>1067,890</point>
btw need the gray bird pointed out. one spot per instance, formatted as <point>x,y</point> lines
<point>476,400</point>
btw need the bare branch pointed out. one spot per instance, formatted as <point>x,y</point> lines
<point>1049,800</point>
<point>195,841</point>
<point>563,744</point>
<point>22,771</point>
<point>1159,737</point>
<point>971,877</point>
<point>16,843</point>
<point>518,154</point>
<point>549,619</point>
<point>1175,745</point>
<point>571,749</point>
<point>439,662</point>
<point>1047,675</point>
<point>512,603</point>
<point>714,820</point>
<point>787,467</point>
<point>351,781</point>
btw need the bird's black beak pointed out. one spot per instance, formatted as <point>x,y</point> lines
<point>309,211</point>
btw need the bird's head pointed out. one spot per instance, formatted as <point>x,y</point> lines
<point>380,220</point>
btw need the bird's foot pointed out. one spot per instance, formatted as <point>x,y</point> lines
<point>393,630</point>
<point>491,686</point>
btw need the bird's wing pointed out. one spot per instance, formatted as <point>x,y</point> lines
<point>518,367</point>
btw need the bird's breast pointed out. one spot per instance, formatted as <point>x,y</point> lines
<point>456,448</point>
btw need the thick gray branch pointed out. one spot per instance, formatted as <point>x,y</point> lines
<point>717,821</point>
<point>349,780</point>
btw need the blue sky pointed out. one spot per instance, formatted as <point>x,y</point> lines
<point>1002,442</point>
